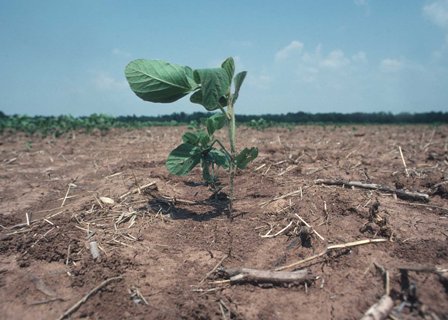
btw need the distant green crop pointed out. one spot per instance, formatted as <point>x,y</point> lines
<point>160,81</point>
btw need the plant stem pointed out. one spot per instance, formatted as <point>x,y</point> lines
<point>231,113</point>
<point>222,147</point>
<point>232,131</point>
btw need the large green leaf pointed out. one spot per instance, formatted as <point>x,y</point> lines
<point>159,81</point>
<point>215,84</point>
<point>215,122</point>
<point>229,66</point>
<point>239,79</point>
<point>245,157</point>
<point>183,159</point>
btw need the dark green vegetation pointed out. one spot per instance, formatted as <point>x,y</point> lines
<point>57,125</point>
<point>352,118</point>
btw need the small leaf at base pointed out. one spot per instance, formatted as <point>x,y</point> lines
<point>220,158</point>
<point>190,138</point>
<point>183,159</point>
<point>245,157</point>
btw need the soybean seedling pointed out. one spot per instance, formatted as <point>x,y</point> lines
<point>163,82</point>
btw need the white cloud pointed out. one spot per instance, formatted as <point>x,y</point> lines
<point>103,81</point>
<point>313,57</point>
<point>437,13</point>
<point>336,59</point>
<point>284,53</point>
<point>318,66</point>
<point>359,57</point>
<point>313,65</point>
<point>389,65</point>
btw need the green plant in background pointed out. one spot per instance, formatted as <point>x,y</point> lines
<point>163,82</point>
<point>259,124</point>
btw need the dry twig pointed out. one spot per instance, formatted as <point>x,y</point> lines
<point>37,241</point>
<point>70,185</point>
<point>380,310</point>
<point>244,275</point>
<point>306,223</point>
<point>137,190</point>
<point>269,235</point>
<point>442,273</point>
<point>329,248</point>
<point>386,279</point>
<point>264,204</point>
<point>443,209</point>
<point>403,194</point>
<point>87,296</point>
<point>404,162</point>
<point>214,269</point>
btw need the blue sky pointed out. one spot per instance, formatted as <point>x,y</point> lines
<point>68,57</point>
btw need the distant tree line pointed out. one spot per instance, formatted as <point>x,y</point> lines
<point>58,125</point>
<point>306,118</point>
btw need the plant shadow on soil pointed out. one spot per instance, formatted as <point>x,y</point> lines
<point>210,208</point>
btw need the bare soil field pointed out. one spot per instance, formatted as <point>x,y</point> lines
<point>165,249</point>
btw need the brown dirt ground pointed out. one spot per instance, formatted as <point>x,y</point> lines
<point>163,248</point>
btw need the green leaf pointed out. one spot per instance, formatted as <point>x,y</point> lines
<point>183,159</point>
<point>198,138</point>
<point>215,122</point>
<point>215,84</point>
<point>245,157</point>
<point>196,97</point>
<point>159,81</point>
<point>229,66</point>
<point>190,138</point>
<point>204,138</point>
<point>220,158</point>
<point>239,79</point>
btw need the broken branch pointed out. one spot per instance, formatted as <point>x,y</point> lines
<point>269,235</point>
<point>404,162</point>
<point>214,268</point>
<point>329,248</point>
<point>137,190</point>
<point>290,194</point>
<point>380,310</point>
<point>402,194</point>
<point>244,275</point>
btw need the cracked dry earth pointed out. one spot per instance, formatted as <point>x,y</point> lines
<point>160,237</point>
